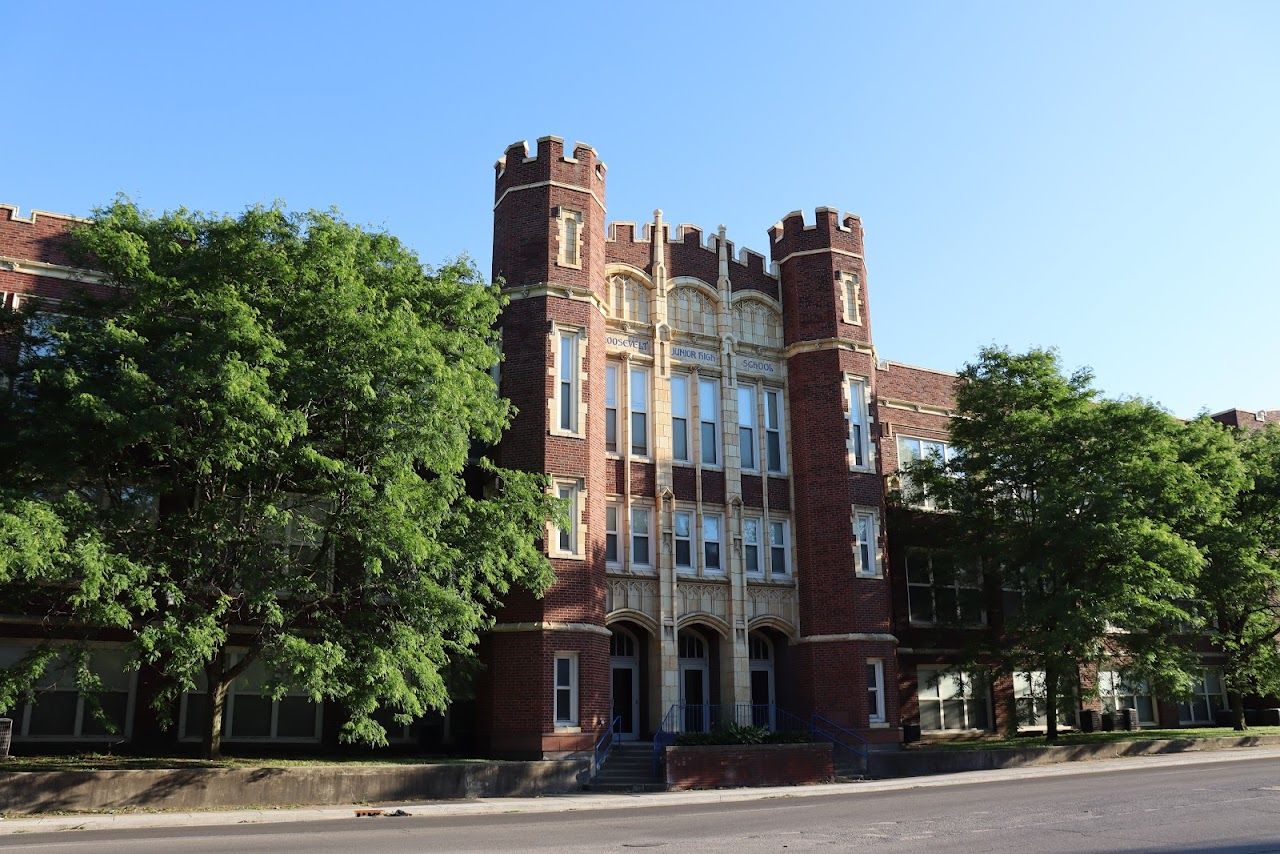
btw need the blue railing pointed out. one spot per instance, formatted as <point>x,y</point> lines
<point>840,738</point>
<point>664,737</point>
<point>604,745</point>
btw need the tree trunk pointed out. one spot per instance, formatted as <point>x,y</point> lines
<point>1051,704</point>
<point>215,702</point>
<point>1237,711</point>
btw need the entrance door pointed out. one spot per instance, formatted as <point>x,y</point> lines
<point>760,653</point>
<point>693,697</point>
<point>625,685</point>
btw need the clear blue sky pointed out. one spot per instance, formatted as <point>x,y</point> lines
<point>1103,178</point>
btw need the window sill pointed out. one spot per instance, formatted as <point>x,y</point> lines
<point>568,728</point>
<point>564,434</point>
<point>878,725</point>
<point>565,556</point>
<point>879,575</point>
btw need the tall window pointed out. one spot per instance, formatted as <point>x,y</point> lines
<point>773,429</point>
<point>566,688</point>
<point>859,439</point>
<point>683,540</point>
<point>1207,698</point>
<point>567,539</point>
<point>568,388</point>
<point>952,701</point>
<point>709,417</point>
<point>640,536</point>
<point>912,448</point>
<point>570,238</point>
<point>1030,698</point>
<point>852,298</point>
<point>60,712</point>
<point>250,716</point>
<point>611,533</point>
<point>711,543</point>
<point>640,412</point>
<point>1119,692</point>
<point>941,591</point>
<point>611,407</point>
<point>866,555</point>
<point>779,560</point>
<point>875,691</point>
<point>680,417</point>
<point>747,425</point>
<point>751,546</point>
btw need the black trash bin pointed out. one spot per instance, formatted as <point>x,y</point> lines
<point>1224,717</point>
<point>1126,720</point>
<point>1090,720</point>
<point>910,733</point>
<point>1253,717</point>
<point>1108,721</point>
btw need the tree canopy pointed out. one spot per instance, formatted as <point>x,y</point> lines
<point>1085,507</point>
<point>267,431</point>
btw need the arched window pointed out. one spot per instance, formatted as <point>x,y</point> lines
<point>692,646</point>
<point>622,645</point>
<point>758,648</point>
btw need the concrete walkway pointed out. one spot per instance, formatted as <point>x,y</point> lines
<point>590,801</point>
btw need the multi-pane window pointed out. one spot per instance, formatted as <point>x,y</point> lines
<point>680,417</point>
<point>1120,692</point>
<point>859,438</point>
<point>852,284</point>
<point>250,715</point>
<point>747,425</point>
<point>875,691</point>
<point>912,448</point>
<point>942,590</point>
<point>1208,697</point>
<point>709,418</point>
<point>567,389</point>
<point>779,560</point>
<point>751,546</point>
<point>952,701</point>
<point>711,543</point>
<point>611,534</point>
<point>567,535</point>
<point>570,238</point>
<point>683,524</point>
<point>640,536</point>
<point>639,404</point>
<point>611,371</point>
<point>773,429</point>
<point>566,688</point>
<point>60,711</point>
<point>1030,698</point>
<point>866,555</point>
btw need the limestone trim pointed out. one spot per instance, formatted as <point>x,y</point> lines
<point>826,251</point>
<point>549,626</point>
<point>704,618</point>
<point>828,344</point>
<point>640,618</point>
<point>547,289</point>
<point>51,271</point>
<point>770,621</point>
<point>30,218</point>
<point>914,406</point>
<point>849,636</point>
<point>562,185</point>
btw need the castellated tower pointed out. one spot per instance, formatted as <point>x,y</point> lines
<point>548,253</point>
<point>845,610</point>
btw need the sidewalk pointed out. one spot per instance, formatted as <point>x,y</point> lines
<point>594,801</point>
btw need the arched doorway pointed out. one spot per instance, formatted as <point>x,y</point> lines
<point>763,685</point>
<point>624,662</point>
<point>695,678</point>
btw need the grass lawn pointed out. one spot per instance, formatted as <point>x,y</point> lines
<point>1069,738</point>
<point>109,762</point>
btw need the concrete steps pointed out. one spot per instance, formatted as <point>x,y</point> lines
<point>629,768</point>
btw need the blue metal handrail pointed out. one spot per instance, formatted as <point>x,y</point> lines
<point>839,737</point>
<point>605,744</point>
<point>665,735</point>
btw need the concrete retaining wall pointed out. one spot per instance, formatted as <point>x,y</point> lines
<point>213,788</point>
<point>916,763</point>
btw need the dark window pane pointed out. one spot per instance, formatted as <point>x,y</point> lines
<point>680,439</point>
<point>778,555</point>
<point>747,443</point>
<point>296,718</point>
<point>752,557</point>
<point>971,607</point>
<point>639,434</point>
<point>773,442</point>
<point>562,704</point>
<point>709,451</point>
<point>566,423</point>
<point>252,717</point>
<point>978,715</point>
<point>712,555</point>
<point>683,556</point>
<point>611,547</point>
<point>611,429</point>
<point>953,714</point>
<point>946,604</point>
<point>930,714</point>
<point>54,713</point>
<point>921,604</point>
<point>197,718</point>
<point>113,706</point>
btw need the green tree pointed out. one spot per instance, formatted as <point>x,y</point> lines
<point>1081,503</point>
<point>273,418</point>
<point>1240,583</point>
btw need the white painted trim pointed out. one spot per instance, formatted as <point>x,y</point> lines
<point>549,626</point>
<point>848,636</point>
<point>559,184</point>
<point>832,251</point>
<point>51,271</point>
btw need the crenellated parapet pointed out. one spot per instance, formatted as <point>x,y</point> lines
<point>690,251</point>
<point>40,236</point>
<point>581,168</point>
<point>830,230</point>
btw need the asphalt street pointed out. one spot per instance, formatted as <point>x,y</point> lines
<point>1218,808</point>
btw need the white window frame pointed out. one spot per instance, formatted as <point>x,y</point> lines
<point>690,568</point>
<point>567,380</point>
<point>785,547</point>
<point>1200,693</point>
<point>612,376</point>
<point>970,691</point>
<point>680,412</point>
<point>23,710</point>
<point>613,530</point>
<point>645,410</point>
<point>1114,687</point>
<point>576,533</point>
<point>875,685</point>
<point>748,542</point>
<point>717,451</point>
<point>929,587</point>
<point>871,517</point>
<point>228,717</point>
<point>1029,686</point>
<point>860,447</point>
<point>717,521</point>
<point>851,298</point>
<point>905,457</point>
<point>574,718</point>
<point>569,251</point>
<point>748,435</point>
<point>774,428</point>
<point>645,513</point>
